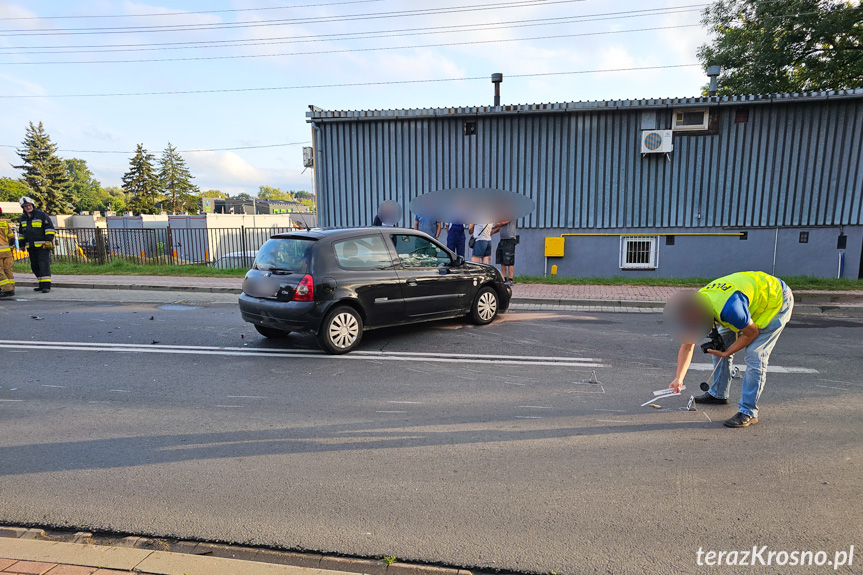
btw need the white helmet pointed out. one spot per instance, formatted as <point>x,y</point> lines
<point>26,200</point>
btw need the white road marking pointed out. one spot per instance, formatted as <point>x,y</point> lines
<point>406,402</point>
<point>390,411</point>
<point>375,357</point>
<point>527,417</point>
<point>11,400</point>
<point>121,390</point>
<point>247,397</point>
<point>831,387</point>
<point>534,407</point>
<point>57,386</point>
<point>611,421</point>
<point>770,368</point>
<point>229,406</point>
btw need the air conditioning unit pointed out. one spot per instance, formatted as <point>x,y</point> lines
<point>691,119</point>
<point>308,157</point>
<point>656,142</point>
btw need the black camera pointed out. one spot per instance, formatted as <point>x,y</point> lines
<point>715,341</point>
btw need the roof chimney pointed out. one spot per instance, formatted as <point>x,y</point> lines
<point>713,73</point>
<point>496,79</point>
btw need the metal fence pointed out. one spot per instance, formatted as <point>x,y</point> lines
<point>223,248</point>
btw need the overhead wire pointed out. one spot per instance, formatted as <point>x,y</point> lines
<point>345,85</point>
<point>375,34</point>
<point>181,151</point>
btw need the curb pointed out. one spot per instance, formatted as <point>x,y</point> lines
<point>162,557</point>
<point>138,287</point>
<point>826,309</point>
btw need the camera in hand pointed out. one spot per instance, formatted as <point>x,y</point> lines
<point>715,341</point>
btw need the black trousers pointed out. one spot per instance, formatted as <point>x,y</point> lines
<point>40,263</point>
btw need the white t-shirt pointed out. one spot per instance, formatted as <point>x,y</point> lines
<point>482,231</point>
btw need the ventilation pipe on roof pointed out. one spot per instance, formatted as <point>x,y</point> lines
<point>496,79</point>
<point>713,73</point>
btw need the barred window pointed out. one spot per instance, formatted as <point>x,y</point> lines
<point>639,253</point>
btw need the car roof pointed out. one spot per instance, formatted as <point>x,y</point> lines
<point>321,233</point>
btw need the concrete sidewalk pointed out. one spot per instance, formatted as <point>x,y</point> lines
<point>808,301</point>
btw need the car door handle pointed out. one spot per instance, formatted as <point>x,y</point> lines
<point>411,282</point>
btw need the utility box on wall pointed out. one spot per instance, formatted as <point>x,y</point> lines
<point>554,247</point>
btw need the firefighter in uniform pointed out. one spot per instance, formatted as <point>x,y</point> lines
<point>7,258</point>
<point>37,235</point>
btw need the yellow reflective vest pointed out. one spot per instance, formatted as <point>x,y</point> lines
<point>7,239</point>
<point>763,291</point>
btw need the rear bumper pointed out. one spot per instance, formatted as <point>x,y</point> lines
<point>285,315</point>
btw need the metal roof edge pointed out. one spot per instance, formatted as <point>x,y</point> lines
<point>584,106</point>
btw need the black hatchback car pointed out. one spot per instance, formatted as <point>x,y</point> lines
<point>335,283</point>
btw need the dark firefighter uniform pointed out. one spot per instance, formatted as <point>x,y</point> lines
<point>7,258</point>
<point>36,233</point>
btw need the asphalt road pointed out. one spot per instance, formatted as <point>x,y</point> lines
<point>489,450</point>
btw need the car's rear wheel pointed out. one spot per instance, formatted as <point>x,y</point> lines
<point>271,331</point>
<point>341,330</point>
<point>485,307</point>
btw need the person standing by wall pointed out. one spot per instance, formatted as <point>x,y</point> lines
<point>455,238</point>
<point>7,258</point>
<point>427,225</point>
<point>505,254</point>
<point>481,236</point>
<point>37,235</point>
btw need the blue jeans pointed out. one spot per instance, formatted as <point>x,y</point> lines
<point>757,357</point>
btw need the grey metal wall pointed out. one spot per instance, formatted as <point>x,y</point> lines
<point>791,164</point>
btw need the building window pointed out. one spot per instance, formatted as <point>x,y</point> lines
<point>804,237</point>
<point>470,128</point>
<point>639,253</point>
<point>691,119</point>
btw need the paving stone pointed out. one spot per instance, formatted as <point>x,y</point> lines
<point>12,531</point>
<point>31,567</point>
<point>226,551</point>
<point>4,563</point>
<point>71,570</point>
<point>411,569</point>
<point>353,565</point>
<point>34,534</point>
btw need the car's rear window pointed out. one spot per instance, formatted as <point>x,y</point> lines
<point>285,254</point>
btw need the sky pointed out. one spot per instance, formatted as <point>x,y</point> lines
<point>50,49</point>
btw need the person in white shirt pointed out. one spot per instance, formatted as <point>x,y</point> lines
<point>481,235</point>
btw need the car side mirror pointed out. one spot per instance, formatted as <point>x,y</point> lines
<point>459,261</point>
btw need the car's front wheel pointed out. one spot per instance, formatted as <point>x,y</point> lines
<point>485,306</point>
<point>271,332</point>
<point>341,330</point>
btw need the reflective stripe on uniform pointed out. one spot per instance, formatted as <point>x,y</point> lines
<point>6,282</point>
<point>44,280</point>
<point>35,224</point>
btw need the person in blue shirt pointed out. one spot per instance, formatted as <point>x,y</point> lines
<point>427,225</point>
<point>455,238</point>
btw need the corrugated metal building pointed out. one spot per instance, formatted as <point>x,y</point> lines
<point>774,182</point>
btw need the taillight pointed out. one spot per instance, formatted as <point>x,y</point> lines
<point>305,290</point>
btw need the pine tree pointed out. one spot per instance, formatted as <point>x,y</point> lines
<point>141,183</point>
<point>45,172</point>
<point>176,182</point>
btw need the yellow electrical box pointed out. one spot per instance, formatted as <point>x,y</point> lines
<point>554,247</point>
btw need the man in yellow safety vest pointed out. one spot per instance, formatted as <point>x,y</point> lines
<point>749,310</point>
<point>7,258</point>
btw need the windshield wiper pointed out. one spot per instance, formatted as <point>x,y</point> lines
<point>277,270</point>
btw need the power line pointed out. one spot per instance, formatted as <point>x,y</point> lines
<point>290,21</point>
<point>181,151</point>
<point>346,85</point>
<point>372,34</point>
<point>353,50</point>
<point>188,13</point>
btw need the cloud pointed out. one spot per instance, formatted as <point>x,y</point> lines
<point>227,167</point>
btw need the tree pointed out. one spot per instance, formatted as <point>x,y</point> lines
<point>141,183</point>
<point>44,171</point>
<point>12,190</point>
<point>269,193</point>
<point>114,199</point>
<point>83,187</point>
<point>303,195</point>
<point>243,196</point>
<point>214,194</point>
<point>175,181</point>
<point>789,46</point>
